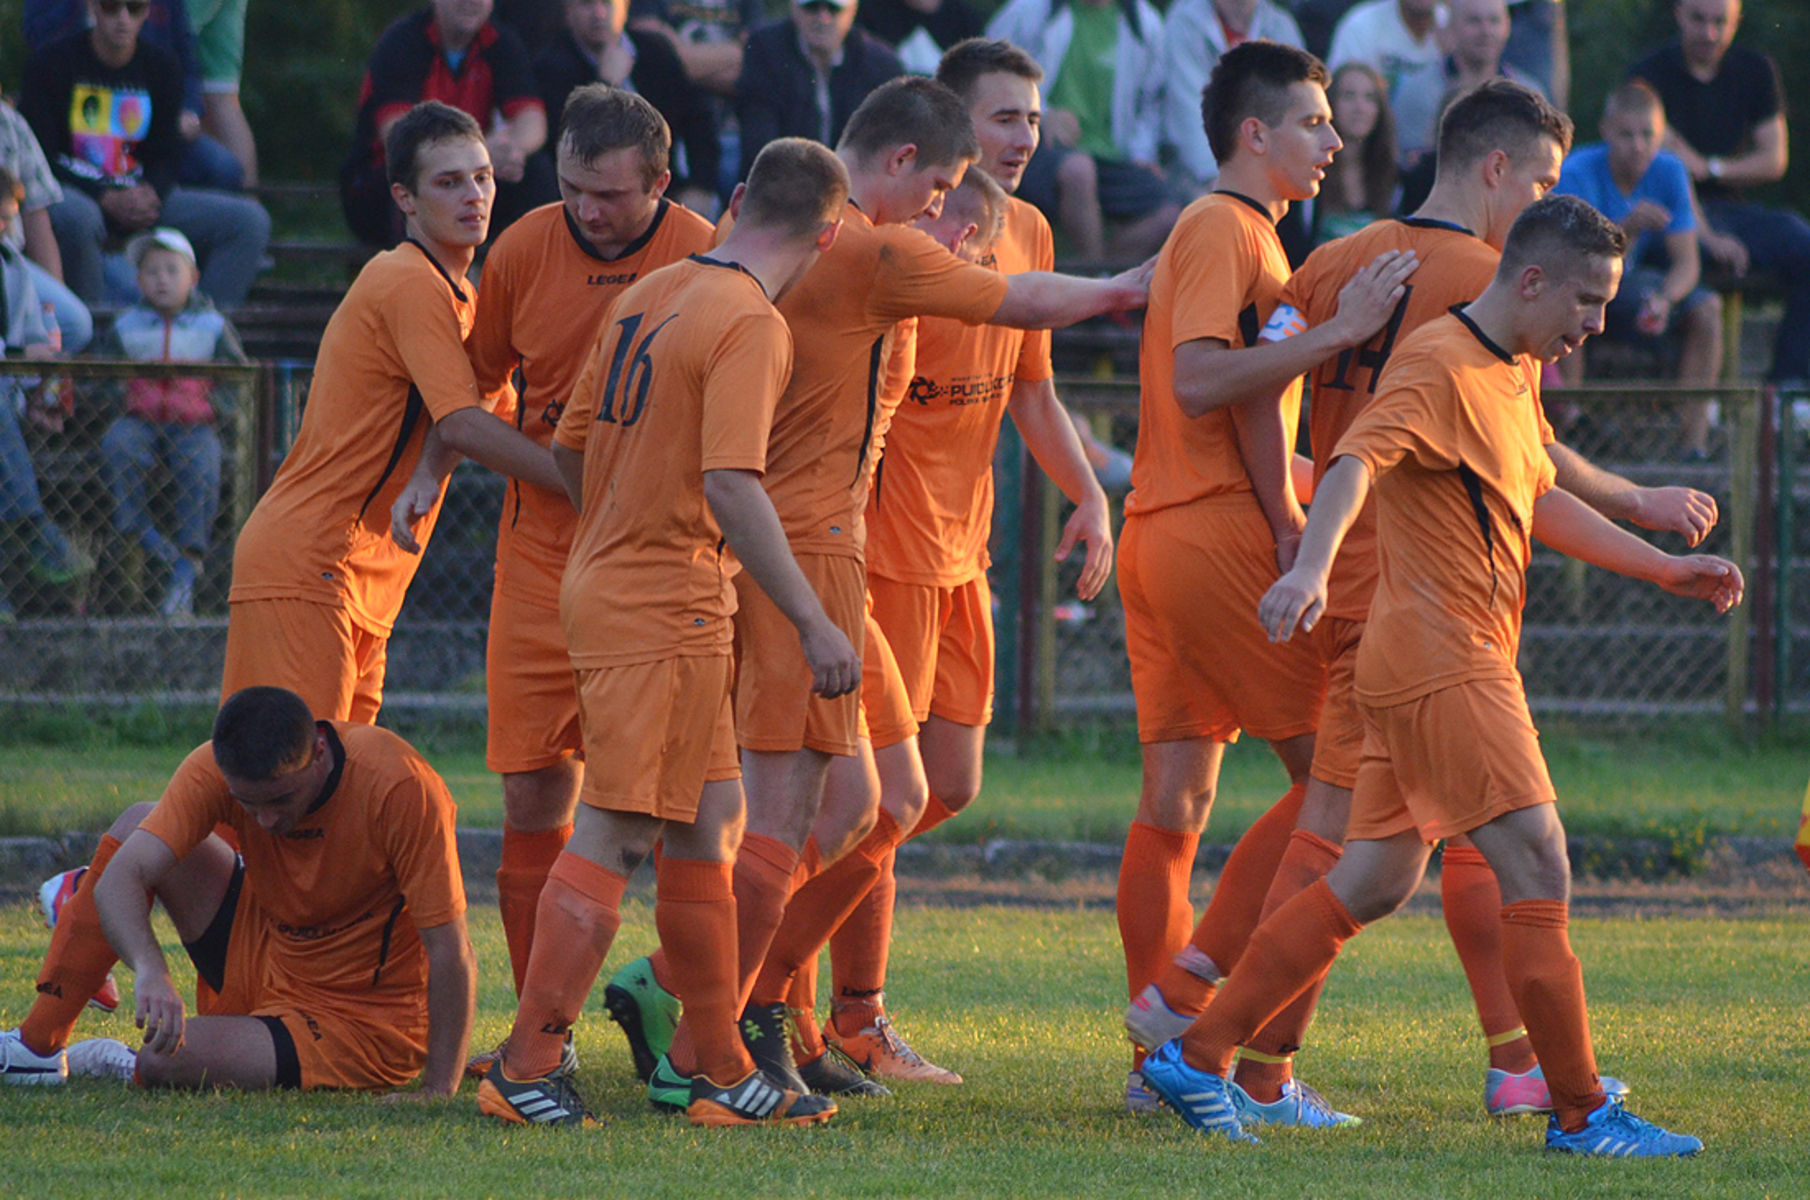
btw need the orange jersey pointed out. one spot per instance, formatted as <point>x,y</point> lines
<point>1218,276</point>
<point>931,509</point>
<point>822,447</point>
<point>546,294</point>
<point>1455,267</point>
<point>1455,450</point>
<point>341,896</point>
<point>683,382</point>
<point>391,360</point>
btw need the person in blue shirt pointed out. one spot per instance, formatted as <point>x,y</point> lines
<point>1647,191</point>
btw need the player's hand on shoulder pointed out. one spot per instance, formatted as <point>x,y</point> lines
<point>1295,600</point>
<point>835,663</point>
<point>1680,510</point>
<point>1703,577</point>
<point>1368,300</point>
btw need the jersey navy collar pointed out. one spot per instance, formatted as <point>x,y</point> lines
<point>1457,310</point>
<point>1434,223</point>
<point>1240,196</point>
<point>705,260</point>
<point>633,248</point>
<point>450,281</point>
<point>337,749</point>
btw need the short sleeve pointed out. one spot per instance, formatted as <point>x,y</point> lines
<point>195,800</point>
<point>1406,420</point>
<point>432,349</point>
<point>745,374</point>
<point>1212,261</point>
<point>915,277</point>
<point>420,840</point>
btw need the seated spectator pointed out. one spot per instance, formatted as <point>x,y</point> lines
<point>1102,122</point>
<point>804,75</point>
<point>594,47</point>
<point>1195,34</point>
<point>1396,39</point>
<point>1725,110</point>
<point>168,421</point>
<point>105,107</point>
<point>450,51</point>
<point>32,232</point>
<point>1360,186</point>
<point>537,22</point>
<point>1647,191</point>
<point>32,547</point>
<point>708,36</point>
<point>920,30</point>
<point>1477,32</point>
<point>1538,46</point>
<point>220,54</point>
<point>204,161</point>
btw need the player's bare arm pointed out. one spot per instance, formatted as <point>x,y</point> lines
<point>1680,510</point>
<point>123,899</point>
<point>481,436</point>
<point>1046,300</point>
<point>1299,597</point>
<point>570,465</point>
<point>1210,373</point>
<point>1568,525</point>
<point>1261,432</point>
<point>452,1000</point>
<point>745,515</point>
<point>1050,435</point>
<point>422,490</point>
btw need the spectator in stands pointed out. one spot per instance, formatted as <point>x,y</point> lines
<point>708,36</point>
<point>204,161</point>
<point>168,420</point>
<point>1477,32</point>
<point>920,30</point>
<point>1195,34</point>
<point>1647,191</point>
<point>1725,110</point>
<point>1396,38</point>
<point>538,23</point>
<point>220,52</point>
<point>32,547</point>
<point>106,108</point>
<point>594,47</point>
<point>32,232</point>
<point>450,51</point>
<point>1538,46</point>
<point>803,75</point>
<point>1360,186</point>
<point>1102,122</point>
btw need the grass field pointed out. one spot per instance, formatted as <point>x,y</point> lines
<point>1704,1018</point>
<point>1081,788</point>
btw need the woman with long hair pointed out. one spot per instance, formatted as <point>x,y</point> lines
<point>1360,186</point>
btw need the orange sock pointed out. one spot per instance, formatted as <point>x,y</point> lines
<point>1548,986</point>
<point>1266,1061</point>
<point>1289,951</point>
<point>858,954</point>
<point>76,964</point>
<point>580,909</point>
<point>696,918</point>
<point>764,870</point>
<point>527,857</point>
<point>819,908</point>
<point>801,999</point>
<point>1155,916</point>
<point>935,813</point>
<point>1473,916</point>
<point>1225,927</point>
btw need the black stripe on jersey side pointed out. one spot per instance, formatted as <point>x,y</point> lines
<point>1473,487</point>
<point>411,417</point>
<point>876,363</point>
<point>633,248</point>
<point>1248,325</point>
<point>879,478</point>
<point>389,931</point>
<point>521,414</point>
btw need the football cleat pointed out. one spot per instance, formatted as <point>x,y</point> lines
<point>53,893</point>
<point>647,1012</point>
<point>755,1100</point>
<point>102,1058</point>
<point>879,1050</point>
<point>478,1065</point>
<point>549,1100</point>
<point>20,1065</point>
<point>832,1074</point>
<point>667,1089</point>
<point>1507,1094</point>
<point>1201,1098</point>
<point>1138,1096</point>
<point>764,1033</point>
<point>1300,1105</point>
<point>1614,1132</point>
<point>1150,1021</point>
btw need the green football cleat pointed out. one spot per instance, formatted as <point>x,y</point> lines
<point>647,1013</point>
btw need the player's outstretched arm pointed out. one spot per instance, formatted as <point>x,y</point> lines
<point>1568,525</point>
<point>570,465</point>
<point>751,527</point>
<point>1046,300</point>
<point>487,439</point>
<point>1050,435</point>
<point>422,491</point>
<point>123,899</point>
<point>452,1000</point>
<point>1299,597</point>
<point>1680,510</point>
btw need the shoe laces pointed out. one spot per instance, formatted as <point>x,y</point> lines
<point>890,1038</point>
<point>1311,1100</point>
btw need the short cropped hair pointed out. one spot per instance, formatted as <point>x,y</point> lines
<point>796,186</point>
<point>912,111</point>
<point>426,123</point>
<point>1252,80</point>
<point>262,733</point>
<point>1635,97</point>
<point>965,62</point>
<point>1499,115</point>
<point>1556,231</point>
<point>599,119</point>
<point>980,188</point>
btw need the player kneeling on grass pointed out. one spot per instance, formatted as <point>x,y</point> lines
<point>1451,444</point>
<point>330,950</point>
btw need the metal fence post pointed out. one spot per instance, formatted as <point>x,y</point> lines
<point>1784,549</point>
<point>1744,462</point>
<point>1008,570</point>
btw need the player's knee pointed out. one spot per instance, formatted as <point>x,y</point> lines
<point>1705,318</point>
<point>543,799</point>
<point>130,820</point>
<point>158,1070</point>
<point>956,789</point>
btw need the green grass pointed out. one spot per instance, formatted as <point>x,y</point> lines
<point>1677,786</point>
<point>1704,1018</point>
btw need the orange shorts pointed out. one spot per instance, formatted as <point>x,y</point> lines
<point>530,686</point>
<point>1201,665</point>
<point>312,649</point>
<point>1339,742</point>
<point>775,710</point>
<point>1447,762</point>
<point>655,733</point>
<point>943,639</point>
<point>886,716</point>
